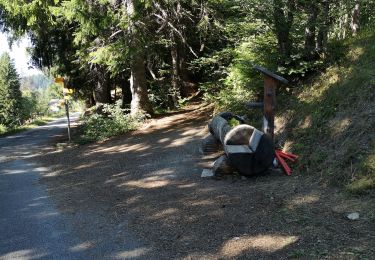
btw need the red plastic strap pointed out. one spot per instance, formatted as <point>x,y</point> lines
<point>294,156</point>
<point>287,169</point>
<point>282,155</point>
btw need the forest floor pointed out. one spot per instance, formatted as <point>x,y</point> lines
<point>147,183</point>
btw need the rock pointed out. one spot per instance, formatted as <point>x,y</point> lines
<point>353,216</point>
<point>207,173</point>
<point>62,145</point>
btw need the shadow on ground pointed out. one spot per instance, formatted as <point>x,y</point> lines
<point>146,185</point>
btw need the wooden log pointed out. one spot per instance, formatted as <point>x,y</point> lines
<point>222,166</point>
<point>249,150</point>
<point>211,145</point>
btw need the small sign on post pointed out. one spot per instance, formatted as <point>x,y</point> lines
<point>66,91</point>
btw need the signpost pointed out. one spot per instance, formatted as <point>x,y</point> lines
<point>66,92</point>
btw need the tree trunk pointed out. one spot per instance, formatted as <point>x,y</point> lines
<point>186,87</point>
<point>126,93</point>
<point>310,30</point>
<point>140,101</point>
<point>283,23</point>
<point>138,84</point>
<point>176,80</point>
<point>321,41</point>
<point>90,100</point>
<point>354,25</point>
<point>102,90</point>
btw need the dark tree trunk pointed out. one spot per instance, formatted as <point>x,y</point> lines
<point>187,87</point>
<point>102,90</point>
<point>283,22</point>
<point>138,84</point>
<point>90,100</point>
<point>321,41</point>
<point>310,31</point>
<point>126,93</point>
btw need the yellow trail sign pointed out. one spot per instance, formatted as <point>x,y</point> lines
<point>59,80</point>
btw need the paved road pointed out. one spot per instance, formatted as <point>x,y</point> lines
<point>29,143</point>
<point>30,226</point>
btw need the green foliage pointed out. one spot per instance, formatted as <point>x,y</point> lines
<point>29,105</point>
<point>113,121</point>
<point>237,82</point>
<point>10,94</point>
<point>330,122</point>
<point>3,129</point>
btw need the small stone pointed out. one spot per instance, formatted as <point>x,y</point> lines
<point>207,173</point>
<point>236,238</point>
<point>243,178</point>
<point>275,163</point>
<point>353,216</point>
<point>62,144</point>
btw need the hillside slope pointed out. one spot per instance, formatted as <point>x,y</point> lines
<point>330,121</point>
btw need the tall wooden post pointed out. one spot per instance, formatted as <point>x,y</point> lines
<point>271,81</point>
<point>269,106</point>
<point>66,91</point>
<point>67,116</point>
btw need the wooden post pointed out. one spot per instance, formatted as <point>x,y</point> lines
<point>60,80</point>
<point>271,81</point>
<point>67,115</point>
<point>269,105</point>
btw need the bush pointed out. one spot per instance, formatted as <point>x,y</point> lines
<point>240,82</point>
<point>3,129</point>
<point>113,121</point>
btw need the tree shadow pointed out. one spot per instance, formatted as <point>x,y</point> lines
<point>147,184</point>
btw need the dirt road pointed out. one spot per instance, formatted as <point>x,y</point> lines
<point>147,183</point>
<point>30,225</point>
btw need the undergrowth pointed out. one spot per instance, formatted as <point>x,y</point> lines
<point>330,121</point>
<point>112,121</point>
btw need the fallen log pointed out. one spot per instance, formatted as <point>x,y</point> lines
<point>249,150</point>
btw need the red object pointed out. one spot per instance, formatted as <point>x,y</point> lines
<point>280,155</point>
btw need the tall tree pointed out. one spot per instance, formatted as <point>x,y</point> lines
<point>283,16</point>
<point>10,94</point>
<point>323,27</point>
<point>312,11</point>
<point>138,84</point>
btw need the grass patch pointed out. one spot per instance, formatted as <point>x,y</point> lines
<point>332,119</point>
<point>365,180</point>
<point>40,121</point>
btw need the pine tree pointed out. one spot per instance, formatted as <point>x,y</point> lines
<point>10,94</point>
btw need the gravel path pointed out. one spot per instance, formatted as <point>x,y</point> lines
<point>31,227</point>
<point>147,183</point>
